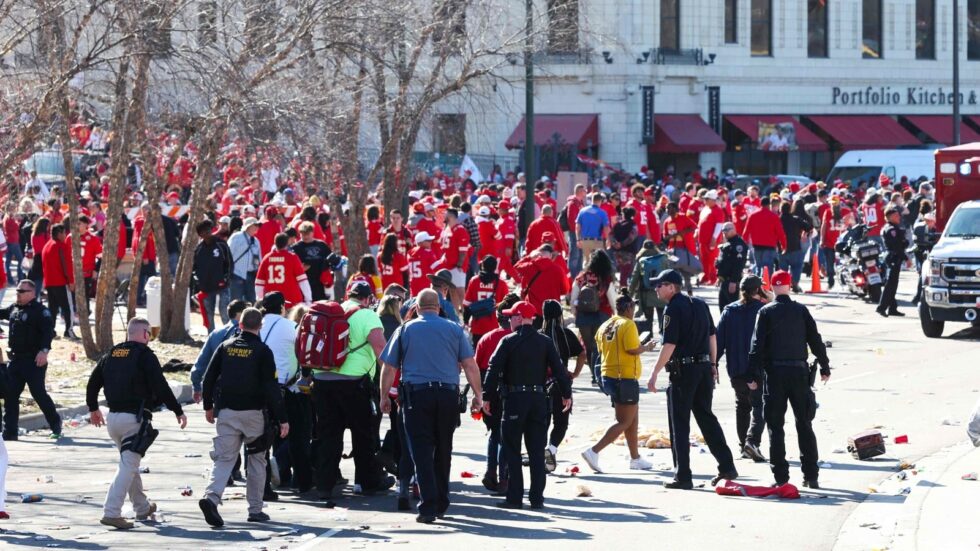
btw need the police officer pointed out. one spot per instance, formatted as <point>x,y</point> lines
<point>731,265</point>
<point>428,351</point>
<point>777,359</point>
<point>895,244</point>
<point>239,386</point>
<point>31,331</point>
<point>689,349</point>
<point>518,372</point>
<point>925,235</point>
<point>134,385</point>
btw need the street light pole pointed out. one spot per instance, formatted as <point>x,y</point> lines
<point>956,72</point>
<point>529,176</point>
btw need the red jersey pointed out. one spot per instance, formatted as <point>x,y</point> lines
<point>653,224</point>
<point>830,229</point>
<point>711,220</point>
<point>541,226</point>
<point>317,231</point>
<point>282,271</point>
<point>874,218</point>
<point>642,218</point>
<point>56,259</point>
<point>266,235</point>
<point>487,345</point>
<point>421,263</point>
<point>610,211</point>
<point>489,236</point>
<point>405,238</point>
<point>677,224</point>
<point>11,230</point>
<point>91,247</point>
<point>752,204</point>
<point>375,232</point>
<point>507,229</point>
<point>739,216</point>
<point>477,290</point>
<point>455,243</point>
<point>150,250</point>
<point>395,272</point>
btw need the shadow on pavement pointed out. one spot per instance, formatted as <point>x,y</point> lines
<point>30,539</point>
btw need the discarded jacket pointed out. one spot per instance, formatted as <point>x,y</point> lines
<point>729,488</point>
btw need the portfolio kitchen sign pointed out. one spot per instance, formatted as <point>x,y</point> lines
<point>904,95</point>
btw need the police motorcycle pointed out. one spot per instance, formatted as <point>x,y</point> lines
<point>860,263</point>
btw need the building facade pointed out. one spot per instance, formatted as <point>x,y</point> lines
<point>683,83</point>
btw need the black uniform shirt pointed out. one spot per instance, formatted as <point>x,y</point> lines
<point>783,330</point>
<point>523,359</point>
<point>731,261</point>
<point>895,242</point>
<point>314,254</point>
<point>31,328</point>
<point>242,377</point>
<point>688,325</point>
<point>133,379</point>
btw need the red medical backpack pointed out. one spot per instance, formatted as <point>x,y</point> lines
<point>323,339</point>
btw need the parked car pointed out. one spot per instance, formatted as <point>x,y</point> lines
<point>743,182</point>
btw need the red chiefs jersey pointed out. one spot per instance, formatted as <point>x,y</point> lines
<point>653,224</point>
<point>489,236</point>
<point>739,216</point>
<point>91,247</point>
<point>421,263</point>
<point>150,249</point>
<point>282,271</point>
<point>507,228</point>
<point>711,217</point>
<point>830,229</point>
<point>676,224</point>
<point>477,290</point>
<point>752,204</point>
<point>641,218</point>
<point>393,273</point>
<point>455,243</point>
<point>874,218</point>
<point>405,237</point>
<point>375,231</point>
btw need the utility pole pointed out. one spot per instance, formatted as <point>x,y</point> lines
<point>956,72</point>
<point>529,177</point>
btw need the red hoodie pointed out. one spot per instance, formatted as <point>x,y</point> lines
<point>764,229</point>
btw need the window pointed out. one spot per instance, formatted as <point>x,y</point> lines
<point>973,30</point>
<point>563,26</point>
<point>762,27</point>
<point>871,46</point>
<point>207,23</point>
<point>925,29</point>
<point>449,134</point>
<point>731,21</point>
<point>670,18</point>
<point>816,30</point>
<point>157,30</point>
<point>449,24</point>
<point>260,27</point>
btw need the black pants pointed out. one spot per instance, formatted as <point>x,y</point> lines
<point>829,256</point>
<point>920,257</point>
<point>558,417</point>
<point>749,418</point>
<point>724,297</point>
<point>647,323</point>
<point>300,415</point>
<point>690,391</point>
<point>887,302</point>
<point>790,384</point>
<point>495,467</point>
<point>431,416</point>
<point>58,301</point>
<point>342,405</point>
<point>525,417</point>
<point>21,371</point>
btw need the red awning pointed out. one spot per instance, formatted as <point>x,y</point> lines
<point>581,130</point>
<point>940,128</point>
<point>749,125</point>
<point>684,134</point>
<point>864,131</point>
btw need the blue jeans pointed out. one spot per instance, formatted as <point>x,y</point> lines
<point>574,254</point>
<point>220,296</point>
<point>172,260</point>
<point>764,257</point>
<point>14,252</point>
<point>794,261</point>
<point>242,289</point>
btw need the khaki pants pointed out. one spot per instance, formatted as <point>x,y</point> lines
<point>234,429</point>
<point>127,480</point>
<point>589,246</point>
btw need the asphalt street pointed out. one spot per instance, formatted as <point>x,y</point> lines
<point>886,374</point>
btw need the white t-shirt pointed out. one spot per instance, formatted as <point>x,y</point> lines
<point>279,334</point>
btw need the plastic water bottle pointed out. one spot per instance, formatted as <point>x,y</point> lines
<point>31,498</point>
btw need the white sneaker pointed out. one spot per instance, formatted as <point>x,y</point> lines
<point>592,458</point>
<point>640,464</point>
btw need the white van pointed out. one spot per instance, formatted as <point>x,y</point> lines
<point>869,165</point>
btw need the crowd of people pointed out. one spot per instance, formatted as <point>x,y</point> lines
<point>453,270</point>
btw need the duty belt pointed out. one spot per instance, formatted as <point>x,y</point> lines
<point>525,388</point>
<point>700,358</point>
<point>411,387</point>
<point>788,363</point>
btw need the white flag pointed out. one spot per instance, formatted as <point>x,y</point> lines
<point>469,165</point>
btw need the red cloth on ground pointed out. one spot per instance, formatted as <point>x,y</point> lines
<point>730,488</point>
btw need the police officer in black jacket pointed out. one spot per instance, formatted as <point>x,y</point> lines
<point>518,371</point>
<point>689,349</point>
<point>925,236</point>
<point>31,331</point>
<point>134,384</point>
<point>778,359</point>
<point>895,244</point>
<point>731,265</point>
<point>239,386</point>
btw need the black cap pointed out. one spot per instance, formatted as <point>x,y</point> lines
<point>892,209</point>
<point>751,283</point>
<point>668,276</point>
<point>273,302</point>
<point>361,289</point>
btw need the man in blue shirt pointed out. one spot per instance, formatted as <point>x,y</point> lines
<point>428,351</point>
<point>591,227</point>
<point>218,336</point>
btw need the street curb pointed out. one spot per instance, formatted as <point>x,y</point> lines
<point>36,421</point>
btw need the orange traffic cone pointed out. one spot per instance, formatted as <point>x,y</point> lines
<point>815,287</point>
<point>765,279</point>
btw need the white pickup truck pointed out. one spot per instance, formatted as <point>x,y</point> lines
<point>951,274</point>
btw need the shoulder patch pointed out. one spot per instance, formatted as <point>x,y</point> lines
<point>738,248</point>
<point>45,312</point>
<point>666,321</point>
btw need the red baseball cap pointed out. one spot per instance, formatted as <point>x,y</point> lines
<point>271,211</point>
<point>418,207</point>
<point>794,187</point>
<point>781,277</point>
<point>505,204</point>
<point>523,309</point>
<point>548,236</point>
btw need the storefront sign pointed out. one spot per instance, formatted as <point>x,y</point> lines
<point>647,137</point>
<point>714,108</point>
<point>891,95</point>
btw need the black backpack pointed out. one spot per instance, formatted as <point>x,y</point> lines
<point>563,219</point>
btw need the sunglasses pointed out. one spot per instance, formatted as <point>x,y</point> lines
<point>20,291</point>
